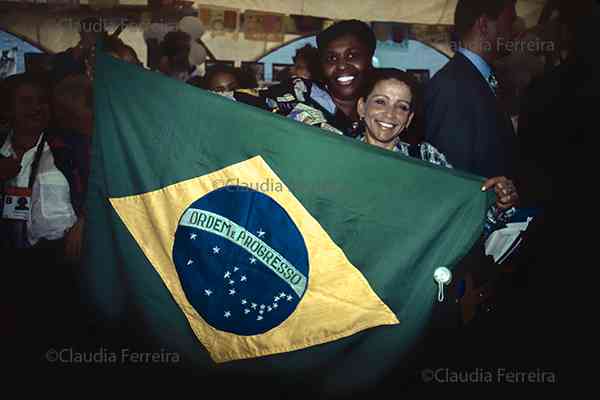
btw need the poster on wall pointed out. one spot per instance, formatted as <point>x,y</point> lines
<point>396,32</point>
<point>261,26</point>
<point>302,24</point>
<point>8,61</point>
<point>218,19</point>
<point>12,49</point>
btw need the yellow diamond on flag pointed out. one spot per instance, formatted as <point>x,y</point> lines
<point>261,281</point>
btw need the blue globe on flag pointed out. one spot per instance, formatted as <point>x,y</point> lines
<point>242,261</point>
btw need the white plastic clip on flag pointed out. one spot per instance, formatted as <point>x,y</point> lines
<point>442,276</point>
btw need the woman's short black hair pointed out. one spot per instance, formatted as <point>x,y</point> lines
<point>353,27</point>
<point>216,69</point>
<point>383,74</point>
<point>171,43</point>
<point>311,55</point>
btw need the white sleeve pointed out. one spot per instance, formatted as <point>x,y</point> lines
<point>52,213</point>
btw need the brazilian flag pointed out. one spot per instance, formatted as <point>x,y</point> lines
<point>254,246</point>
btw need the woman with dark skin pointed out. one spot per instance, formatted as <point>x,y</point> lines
<point>346,50</point>
<point>220,78</point>
<point>345,53</point>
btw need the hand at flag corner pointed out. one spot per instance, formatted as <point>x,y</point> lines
<point>506,192</point>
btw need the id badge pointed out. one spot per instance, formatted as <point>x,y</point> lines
<point>17,203</point>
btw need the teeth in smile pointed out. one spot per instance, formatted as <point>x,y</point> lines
<point>388,126</point>
<point>345,79</point>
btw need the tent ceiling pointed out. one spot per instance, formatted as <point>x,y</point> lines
<point>409,11</point>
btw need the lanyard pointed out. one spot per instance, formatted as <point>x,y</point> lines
<point>36,161</point>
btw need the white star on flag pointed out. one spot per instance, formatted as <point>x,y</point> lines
<point>261,312</point>
<point>261,233</point>
<point>246,311</point>
<point>232,291</point>
<point>281,294</point>
<point>262,306</point>
<point>190,262</point>
<point>289,298</point>
<point>275,305</point>
<point>243,278</point>
<point>276,298</point>
<point>254,305</point>
<point>231,281</point>
<point>227,314</point>
<point>227,274</point>
<point>208,292</point>
<point>260,317</point>
<point>252,260</point>
<point>193,236</point>
<point>216,250</point>
<point>235,269</point>
<point>269,309</point>
<point>244,301</point>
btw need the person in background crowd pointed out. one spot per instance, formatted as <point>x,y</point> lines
<point>558,108</point>
<point>76,60</point>
<point>175,59</point>
<point>28,164</point>
<point>247,79</point>
<point>462,114</point>
<point>221,78</point>
<point>118,49</point>
<point>306,64</point>
<point>232,83</point>
<point>72,106</point>
<point>37,216</point>
<point>70,142</point>
<point>558,118</point>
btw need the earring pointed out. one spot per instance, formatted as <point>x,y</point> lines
<point>361,124</point>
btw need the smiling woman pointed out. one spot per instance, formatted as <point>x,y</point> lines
<point>346,50</point>
<point>387,108</point>
<point>345,53</point>
<point>27,164</point>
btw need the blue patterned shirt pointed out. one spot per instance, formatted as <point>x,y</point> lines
<point>424,151</point>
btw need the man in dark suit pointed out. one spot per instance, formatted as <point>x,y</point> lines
<point>463,118</point>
